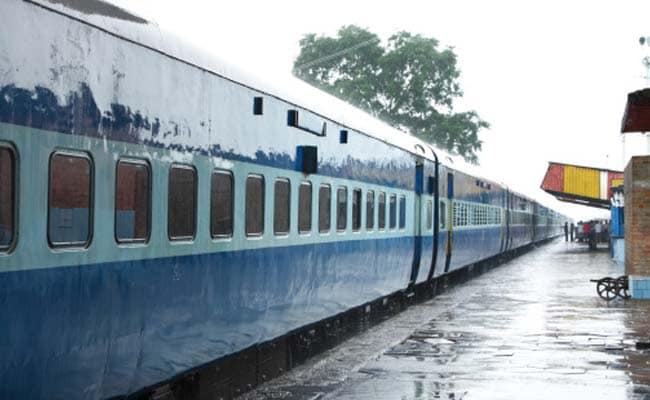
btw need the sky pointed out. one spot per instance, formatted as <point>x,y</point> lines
<point>551,77</point>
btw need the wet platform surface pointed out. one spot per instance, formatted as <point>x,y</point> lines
<point>533,328</point>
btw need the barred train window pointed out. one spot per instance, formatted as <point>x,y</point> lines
<point>181,211</point>
<point>7,197</point>
<point>221,204</point>
<point>370,210</point>
<point>70,217</point>
<point>282,207</point>
<point>464,214</point>
<point>402,212</point>
<point>341,208</point>
<point>429,212</point>
<point>254,205</point>
<point>324,208</point>
<point>132,201</point>
<point>461,214</point>
<point>382,211</point>
<point>356,209</point>
<point>304,207</point>
<point>392,208</point>
<point>456,213</point>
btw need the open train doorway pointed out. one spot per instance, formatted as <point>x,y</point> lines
<point>450,213</point>
<point>417,221</point>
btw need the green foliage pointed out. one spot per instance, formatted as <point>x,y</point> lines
<point>409,83</point>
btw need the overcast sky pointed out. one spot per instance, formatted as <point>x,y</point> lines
<point>551,77</point>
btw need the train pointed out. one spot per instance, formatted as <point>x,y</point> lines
<point>161,209</point>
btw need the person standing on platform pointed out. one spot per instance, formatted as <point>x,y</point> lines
<point>572,231</point>
<point>598,229</point>
<point>566,231</point>
<point>586,231</point>
<point>579,229</point>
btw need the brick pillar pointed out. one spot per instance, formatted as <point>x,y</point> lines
<point>637,225</point>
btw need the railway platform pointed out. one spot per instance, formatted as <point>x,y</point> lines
<point>533,328</point>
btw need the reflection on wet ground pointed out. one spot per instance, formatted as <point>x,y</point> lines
<point>531,329</point>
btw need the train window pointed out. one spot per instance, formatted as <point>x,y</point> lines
<point>493,216</point>
<point>254,205</point>
<point>132,201</point>
<point>370,210</point>
<point>70,196</point>
<point>341,208</point>
<point>221,204</point>
<point>381,217</point>
<point>181,205</point>
<point>324,208</point>
<point>443,215</point>
<point>356,209</point>
<point>460,214</point>
<point>7,198</point>
<point>402,212</point>
<point>392,211</point>
<point>429,212</point>
<point>304,207</point>
<point>281,206</point>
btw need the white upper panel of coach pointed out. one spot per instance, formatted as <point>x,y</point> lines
<point>127,25</point>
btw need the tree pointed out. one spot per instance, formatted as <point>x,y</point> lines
<point>409,83</point>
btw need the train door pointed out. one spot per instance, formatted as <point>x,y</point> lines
<point>536,220</point>
<point>508,219</point>
<point>434,189</point>
<point>417,220</point>
<point>450,213</point>
<point>504,219</point>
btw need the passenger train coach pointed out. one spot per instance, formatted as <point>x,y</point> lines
<point>159,211</point>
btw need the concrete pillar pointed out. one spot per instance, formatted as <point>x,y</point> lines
<point>637,226</point>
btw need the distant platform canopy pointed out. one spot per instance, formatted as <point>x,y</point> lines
<point>581,185</point>
<point>637,112</point>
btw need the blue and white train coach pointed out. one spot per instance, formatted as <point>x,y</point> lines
<point>158,211</point>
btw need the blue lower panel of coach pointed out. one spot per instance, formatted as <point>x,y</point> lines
<point>520,235</point>
<point>95,331</point>
<point>472,245</point>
